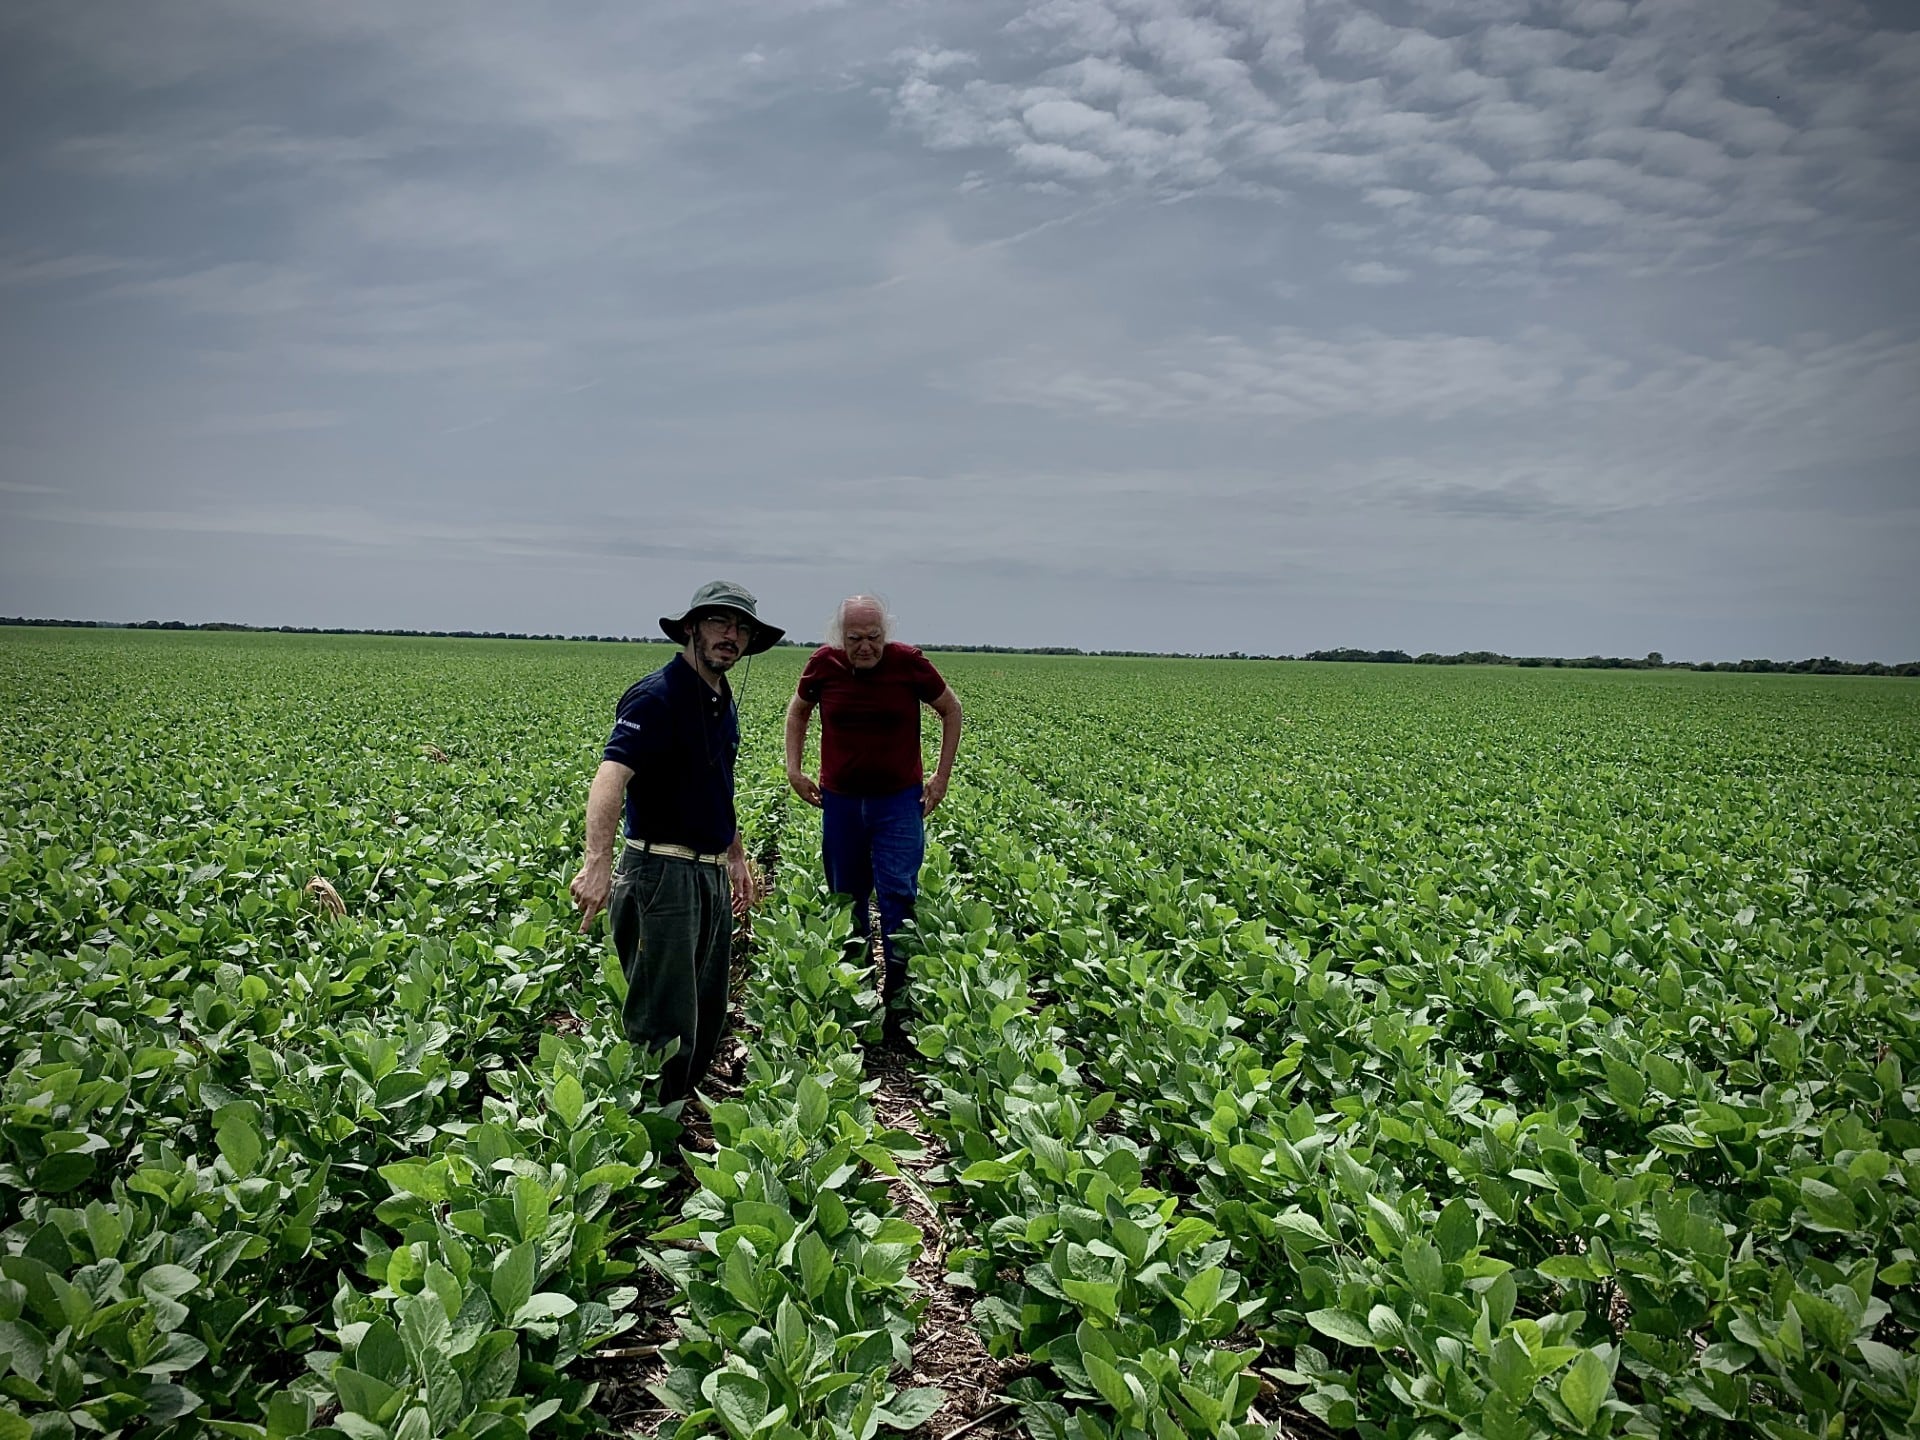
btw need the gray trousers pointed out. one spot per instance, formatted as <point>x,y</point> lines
<point>672,923</point>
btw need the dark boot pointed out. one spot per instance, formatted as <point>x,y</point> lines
<point>896,1005</point>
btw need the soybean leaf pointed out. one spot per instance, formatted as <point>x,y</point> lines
<point>1339,1325</point>
<point>740,1400</point>
<point>910,1409</point>
<point>512,1281</point>
<point>1583,1389</point>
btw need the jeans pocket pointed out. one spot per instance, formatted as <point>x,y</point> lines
<point>637,877</point>
<point>651,881</point>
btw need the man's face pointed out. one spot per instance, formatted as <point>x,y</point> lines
<point>865,629</point>
<point>720,638</point>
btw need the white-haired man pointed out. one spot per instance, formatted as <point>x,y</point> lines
<point>873,792</point>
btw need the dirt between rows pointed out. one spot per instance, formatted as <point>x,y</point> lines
<point>947,1351</point>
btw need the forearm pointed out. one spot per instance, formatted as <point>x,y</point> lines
<point>799,714</point>
<point>605,800</point>
<point>950,721</point>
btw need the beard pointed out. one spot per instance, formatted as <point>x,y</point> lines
<point>717,656</point>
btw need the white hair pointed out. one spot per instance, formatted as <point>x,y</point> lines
<point>837,626</point>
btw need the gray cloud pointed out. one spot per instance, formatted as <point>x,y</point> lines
<point>1343,98</point>
<point>1297,376</point>
<point>271,422</point>
<point>1372,272</point>
<point>51,269</point>
<point>146,155</point>
<point>1571,326</point>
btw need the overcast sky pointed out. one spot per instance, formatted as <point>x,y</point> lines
<point>1257,324</point>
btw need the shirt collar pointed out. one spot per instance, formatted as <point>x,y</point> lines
<point>684,678</point>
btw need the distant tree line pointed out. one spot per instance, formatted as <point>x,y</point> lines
<point>1652,660</point>
<point>227,625</point>
<point>1029,650</point>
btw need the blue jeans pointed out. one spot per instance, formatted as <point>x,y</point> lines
<point>872,845</point>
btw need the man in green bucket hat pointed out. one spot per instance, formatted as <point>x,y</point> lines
<point>682,874</point>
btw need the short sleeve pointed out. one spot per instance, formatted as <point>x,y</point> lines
<point>639,728</point>
<point>928,684</point>
<point>814,677</point>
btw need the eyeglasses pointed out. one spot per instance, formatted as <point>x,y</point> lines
<point>722,621</point>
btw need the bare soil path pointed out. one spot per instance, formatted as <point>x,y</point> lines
<point>947,1350</point>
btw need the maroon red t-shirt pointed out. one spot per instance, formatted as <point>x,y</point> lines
<point>870,719</point>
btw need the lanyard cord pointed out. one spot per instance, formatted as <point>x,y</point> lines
<point>706,731</point>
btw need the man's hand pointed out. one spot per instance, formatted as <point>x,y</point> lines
<point>934,791</point>
<point>804,786</point>
<point>744,883</point>
<point>590,888</point>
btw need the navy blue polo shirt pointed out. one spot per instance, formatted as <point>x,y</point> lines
<point>680,739</point>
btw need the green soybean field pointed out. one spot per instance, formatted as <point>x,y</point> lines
<point>1306,1050</point>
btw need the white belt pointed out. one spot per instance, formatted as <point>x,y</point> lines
<point>678,852</point>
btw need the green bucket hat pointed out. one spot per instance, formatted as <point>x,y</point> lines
<point>724,595</point>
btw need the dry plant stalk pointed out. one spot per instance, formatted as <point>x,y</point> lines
<point>326,897</point>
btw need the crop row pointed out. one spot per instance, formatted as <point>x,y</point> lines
<point>792,1303</point>
<point>204,1149</point>
<point>1531,1165</point>
<point>1486,1053</point>
<point>278,1172</point>
<point>267,1168</point>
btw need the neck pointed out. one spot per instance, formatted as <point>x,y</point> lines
<point>713,678</point>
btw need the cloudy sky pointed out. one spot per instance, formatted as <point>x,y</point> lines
<point>1546,326</point>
